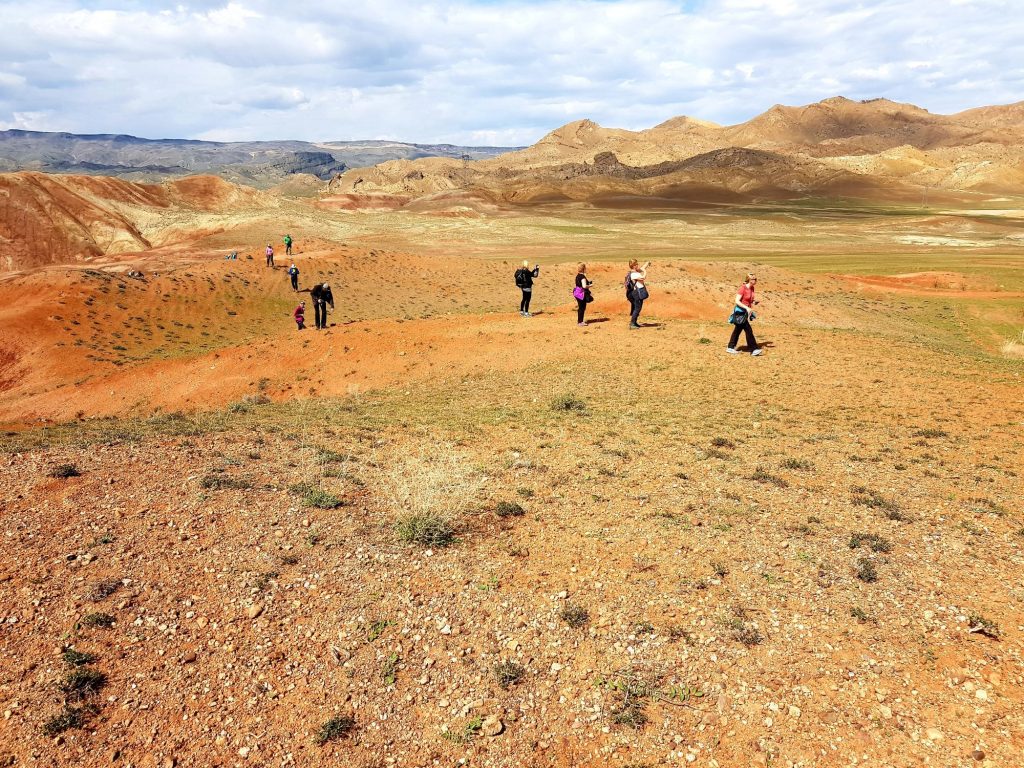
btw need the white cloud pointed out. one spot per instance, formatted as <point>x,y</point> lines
<point>466,71</point>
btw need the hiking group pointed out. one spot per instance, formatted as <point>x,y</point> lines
<point>635,285</point>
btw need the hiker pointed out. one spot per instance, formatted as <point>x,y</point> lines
<point>322,296</point>
<point>270,255</point>
<point>293,273</point>
<point>742,314</point>
<point>636,290</point>
<point>287,245</point>
<point>524,281</point>
<point>300,315</point>
<point>233,256</point>
<point>582,293</point>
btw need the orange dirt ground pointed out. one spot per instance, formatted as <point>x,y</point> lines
<point>705,510</point>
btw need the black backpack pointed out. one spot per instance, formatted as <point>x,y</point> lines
<point>628,283</point>
<point>520,278</point>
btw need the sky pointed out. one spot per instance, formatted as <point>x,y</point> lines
<point>484,72</point>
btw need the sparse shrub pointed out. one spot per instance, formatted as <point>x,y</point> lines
<point>103,620</point>
<point>720,569</point>
<point>763,476</point>
<point>813,519</point>
<point>428,491</point>
<point>860,615</point>
<point>82,682</point>
<point>748,635</point>
<point>931,433</point>
<point>508,673</point>
<point>983,626</point>
<point>676,633</point>
<point>70,717</point>
<point>872,540</point>
<point>104,589</point>
<point>220,481</point>
<point>335,728</point>
<point>427,530</point>
<point>262,582</point>
<point>866,570</point>
<point>75,658</point>
<point>631,713</point>
<point>722,442</point>
<point>643,628</point>
<point>525,493</point>
<point>239,407</point>
<point>289,559</point>
<point>377,629</point>
<point>895,514</point>
<point>469,731</point>
<point>865,497</point>
<point>64,471</point>
<point>568,402</point>
<point>327,456</point>
<point>791,463</point>
<point>509,509</point>
<point>315,496</point>
<point>389,669</point>
<point>703,340</point>
<point>574,615</point>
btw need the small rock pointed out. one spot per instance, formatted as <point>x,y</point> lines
<point>933,734</point>
<point>188,658</point>
<point>794,711</point>
<point>981,694</point>
<point>253,611</point>
<point>492,726</point>
<point>978,755</point>
<point>243,752</point>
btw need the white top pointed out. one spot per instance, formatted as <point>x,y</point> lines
<point>638,277</point>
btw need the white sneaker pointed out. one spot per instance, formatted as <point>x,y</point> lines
<point>731,351</point>
<point>756,352</point>
<point>527,314</point>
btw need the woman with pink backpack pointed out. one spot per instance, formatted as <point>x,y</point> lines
<point>582,293</point>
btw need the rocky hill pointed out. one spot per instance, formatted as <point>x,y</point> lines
<point>877,148</point>
<point>256,163</point>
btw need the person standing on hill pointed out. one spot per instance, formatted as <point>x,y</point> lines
<point>322,296</point>
<point>293,273</point>
<point>287,245</point>
<point>636,290</point>
<point>300,315</point>
<point>524,280</point>
<point>742,314</point>
<point>582,293</point>
<point>270,255</point>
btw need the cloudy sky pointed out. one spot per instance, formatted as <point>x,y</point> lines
<point>498,72</point>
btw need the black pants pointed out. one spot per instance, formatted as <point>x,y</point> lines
<point>320,313</point>
<point>635,305</point>
<point>748,331</point>
<point>270,260</point>
<point>524,305</point>
<point>581,308</point>
<point>295,282</point>
<point>288,249</point>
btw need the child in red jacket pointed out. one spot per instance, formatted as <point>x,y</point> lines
<point>300,315</point>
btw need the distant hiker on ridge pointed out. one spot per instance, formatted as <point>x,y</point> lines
<point>287,245</point>
<point>524,281</point>
<point>742,314</point>
<point>270,255</point>
<point>300,315</point>
<point>293,273</point>
<point>322,296</point>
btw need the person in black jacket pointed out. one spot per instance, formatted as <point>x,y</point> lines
<point>524,279</point>
<point>321,296</point>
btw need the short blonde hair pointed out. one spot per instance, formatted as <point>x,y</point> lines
<point>526,262</point>
<point>633,264</point>
<point>581,268</point>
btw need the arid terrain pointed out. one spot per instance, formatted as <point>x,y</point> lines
<point>439,533</point>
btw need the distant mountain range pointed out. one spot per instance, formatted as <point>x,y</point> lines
<point>837,147</point>
<point>254,163</point>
